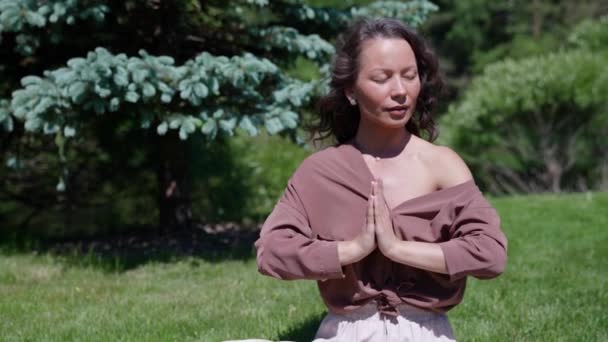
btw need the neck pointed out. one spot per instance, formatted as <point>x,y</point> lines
<point>381,141</point>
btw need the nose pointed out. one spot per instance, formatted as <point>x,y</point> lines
<point>399,90</point>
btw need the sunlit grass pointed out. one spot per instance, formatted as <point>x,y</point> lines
<point>554,289</point>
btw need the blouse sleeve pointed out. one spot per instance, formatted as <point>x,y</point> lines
<point>287,249</point>
<point>477,246</point>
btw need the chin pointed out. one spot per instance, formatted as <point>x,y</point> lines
<point>395,122</point>
<point>386,120</point>
<point>392,125</point>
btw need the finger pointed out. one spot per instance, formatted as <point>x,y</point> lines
<point>383,205</point>
<point>378,202</point>
<point>370,210</point>
<point>377,208</point>
<point>374,220</point>
<point>381,199</point>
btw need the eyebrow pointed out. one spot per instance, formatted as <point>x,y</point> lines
<point>411,67</point>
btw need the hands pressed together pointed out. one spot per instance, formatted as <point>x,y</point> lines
<point>377,231</point>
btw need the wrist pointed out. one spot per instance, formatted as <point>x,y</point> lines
<point>394,249</point>
<point>348,252</point>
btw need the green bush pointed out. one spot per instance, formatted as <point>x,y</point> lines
<point>535,124</point>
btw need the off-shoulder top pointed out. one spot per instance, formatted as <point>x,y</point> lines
<point>325,202</point>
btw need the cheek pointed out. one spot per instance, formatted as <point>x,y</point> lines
<point>372,94</point>
<point>415,88</point>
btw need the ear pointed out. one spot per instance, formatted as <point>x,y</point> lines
<point>349,93</point>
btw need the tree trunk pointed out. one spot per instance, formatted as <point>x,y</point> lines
<point>174,197</point>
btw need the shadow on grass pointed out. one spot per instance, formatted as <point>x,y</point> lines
<point>305,331</point>
<point>122,252</point>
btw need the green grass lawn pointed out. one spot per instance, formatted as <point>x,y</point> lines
<point>555,288</point>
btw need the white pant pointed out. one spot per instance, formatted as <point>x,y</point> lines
<point>367,325</point>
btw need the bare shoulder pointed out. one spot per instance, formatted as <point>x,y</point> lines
<point>445,164</point>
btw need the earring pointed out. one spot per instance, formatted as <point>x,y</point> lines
<point>352,101</point>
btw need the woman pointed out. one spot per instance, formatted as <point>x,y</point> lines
<point>387,222</point>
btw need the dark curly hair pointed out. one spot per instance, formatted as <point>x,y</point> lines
<point>340,120</point>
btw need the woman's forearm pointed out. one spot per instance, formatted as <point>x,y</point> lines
<point>423,255</point>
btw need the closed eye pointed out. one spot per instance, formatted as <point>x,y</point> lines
<point>411,75</point>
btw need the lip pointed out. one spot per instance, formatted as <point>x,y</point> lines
<point>397,108</point>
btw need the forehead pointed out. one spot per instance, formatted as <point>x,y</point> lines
<point>386,53</point>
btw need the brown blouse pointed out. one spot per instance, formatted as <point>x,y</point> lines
<point>325,202</point>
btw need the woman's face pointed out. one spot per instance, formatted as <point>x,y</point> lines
<point>387,84</point>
